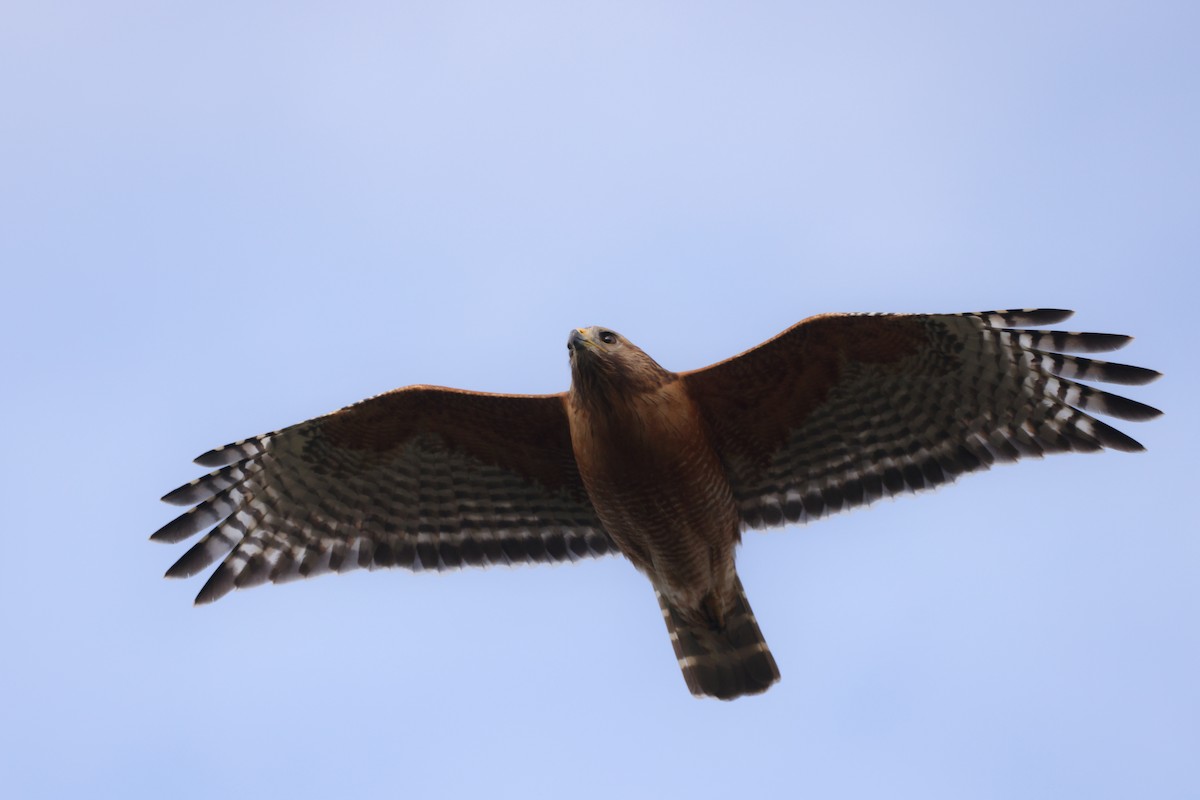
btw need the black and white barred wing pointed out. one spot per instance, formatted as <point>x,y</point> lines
<point>421,477</point>
<point>843,409</point>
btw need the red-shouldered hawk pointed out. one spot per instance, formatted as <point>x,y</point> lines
<point>665,468</point>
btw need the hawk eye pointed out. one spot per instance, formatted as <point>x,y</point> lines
<point>608,337</point>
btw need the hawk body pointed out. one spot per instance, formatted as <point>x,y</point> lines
<point>661,492</point>
<point>665,468</point>
<point>656,484</point>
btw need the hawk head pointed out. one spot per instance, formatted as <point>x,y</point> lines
<point>606,364</point>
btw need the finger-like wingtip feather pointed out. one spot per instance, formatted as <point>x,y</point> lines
<point>233,452</point>
<point>219,584</point>
<point>1039,316</point>
<point>1123,408</point>
<point>187,524</point>
<point>1067,341</point>
<point>183,495</point>
<point>1114,439</point>
<point>217,457</point>
<point>1021,317</point>
<point>202,554</point>
<point>1125,374</point>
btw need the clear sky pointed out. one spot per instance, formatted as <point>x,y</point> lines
<point>220,218</point>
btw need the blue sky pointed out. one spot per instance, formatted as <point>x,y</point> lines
<point>217,219</point>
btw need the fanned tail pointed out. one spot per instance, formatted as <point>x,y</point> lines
<point>723,663</point>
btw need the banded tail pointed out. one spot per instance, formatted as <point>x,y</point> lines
<point>725,663</point>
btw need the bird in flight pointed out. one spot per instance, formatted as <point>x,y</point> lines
<point>665,468</point>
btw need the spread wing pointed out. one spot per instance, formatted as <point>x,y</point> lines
<point>842,409</point>
<point>421,477</point>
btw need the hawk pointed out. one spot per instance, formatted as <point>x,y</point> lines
<point>664,468</point>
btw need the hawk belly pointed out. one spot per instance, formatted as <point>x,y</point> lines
<point>660,490</point>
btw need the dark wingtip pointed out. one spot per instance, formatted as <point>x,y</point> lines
<point>1147,412</point>
<point>1048,316</point>
<point>1120,407</point>
<point>1123,373</point>
<point>188,564</point>
<point>174,572</point>
<point>1114,439</point>
<point>180,528</point>
<point>1022,317</point>
<point>219,584</point>
<point>183,496</point>
<point>217,457</point>
<point>1109,341</point>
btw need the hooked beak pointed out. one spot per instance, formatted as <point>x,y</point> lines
<point>578,338</point>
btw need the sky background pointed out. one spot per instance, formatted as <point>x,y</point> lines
<point>219,218</point>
